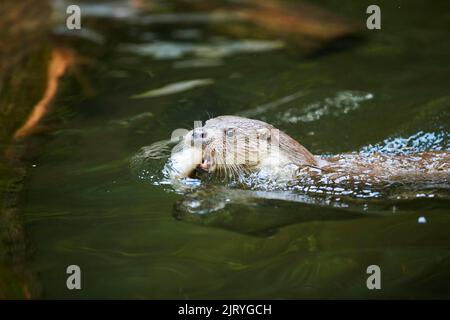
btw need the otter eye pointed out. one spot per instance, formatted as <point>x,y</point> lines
<point>197,134</point>
<point>229,132</point>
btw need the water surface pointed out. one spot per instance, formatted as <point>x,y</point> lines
<point>160,70</point>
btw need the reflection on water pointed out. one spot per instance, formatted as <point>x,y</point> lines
<point>217,49</point>
<point>344,102</point>
<point>105,9</point>
<point>174,88</point>
<point>84,33</point>
<point>198,63</point>
<point>98,197</point>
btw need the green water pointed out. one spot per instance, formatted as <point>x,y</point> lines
<point>85,206</point>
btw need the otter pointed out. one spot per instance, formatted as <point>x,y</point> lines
<point>232,146</point>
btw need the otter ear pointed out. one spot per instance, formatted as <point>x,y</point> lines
<point>263,134</point>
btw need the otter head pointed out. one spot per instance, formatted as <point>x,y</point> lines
<point>231,145</point>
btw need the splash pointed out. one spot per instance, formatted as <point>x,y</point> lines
<point>352,182</point>
<point>146,164</point>
<point>418,142</point>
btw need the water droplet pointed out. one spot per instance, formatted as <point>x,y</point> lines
<point>422,220</point>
